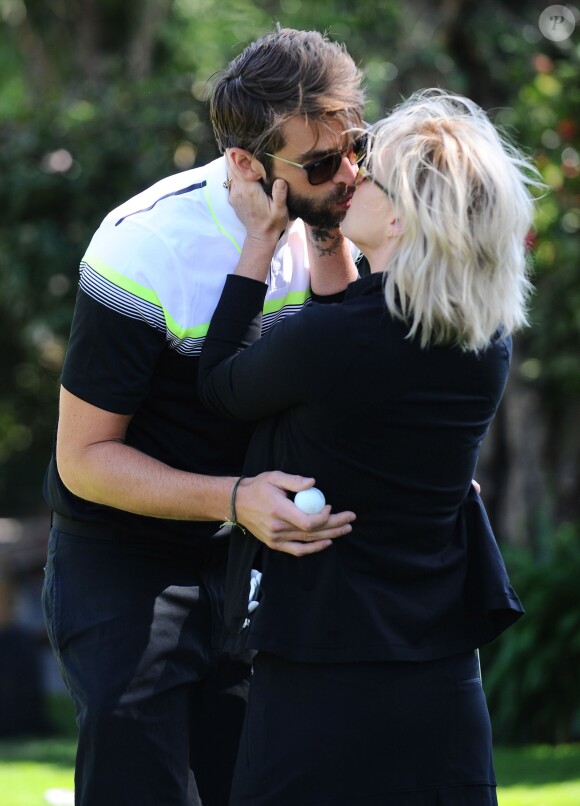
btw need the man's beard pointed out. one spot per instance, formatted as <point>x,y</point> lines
<point>317,213</point>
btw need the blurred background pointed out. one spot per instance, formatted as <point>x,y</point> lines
<point>100,98</point>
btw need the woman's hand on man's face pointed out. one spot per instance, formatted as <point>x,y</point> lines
<point>263,216</point>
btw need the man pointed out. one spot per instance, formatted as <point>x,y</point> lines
<point>142,475</point>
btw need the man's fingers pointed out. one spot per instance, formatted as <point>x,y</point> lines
<point>263,507</point>
<point>286,533</point>
<point>286,481</point>
<point>323,521</point>
<point>324,534</point>
<point>300,549</point>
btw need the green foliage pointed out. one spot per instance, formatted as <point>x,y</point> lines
<point>61,716</point>
<point>531,673</point>
<point>62,171</point>
<point>547,117</point>
<point>538,775</point>
<point>537,765</point>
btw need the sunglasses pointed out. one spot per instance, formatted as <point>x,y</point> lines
<point>324,169</point>
<point>364,173</point>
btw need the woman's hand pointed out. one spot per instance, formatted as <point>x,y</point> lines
<point>264,217</point>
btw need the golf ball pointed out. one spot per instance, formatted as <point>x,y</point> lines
<point>310,501</point>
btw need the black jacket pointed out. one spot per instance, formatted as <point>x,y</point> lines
<point>390,431</point>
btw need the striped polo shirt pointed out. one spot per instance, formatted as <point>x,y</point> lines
<point>150,280</point>
<point>162,257</point>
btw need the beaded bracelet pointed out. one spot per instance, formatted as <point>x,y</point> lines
<point>233,518</point>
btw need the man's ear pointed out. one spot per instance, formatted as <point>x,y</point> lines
<point>251,168</point>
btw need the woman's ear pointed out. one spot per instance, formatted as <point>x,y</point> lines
<point>249,167</point>
<point>395,228</point>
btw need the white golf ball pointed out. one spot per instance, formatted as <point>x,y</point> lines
<point>310,501</point>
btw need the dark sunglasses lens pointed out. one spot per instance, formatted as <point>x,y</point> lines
<point>323,170</point>
<point>359,149</point>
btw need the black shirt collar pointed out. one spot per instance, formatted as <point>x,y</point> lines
<point>365,285</point>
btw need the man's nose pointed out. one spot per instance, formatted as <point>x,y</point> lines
<point>346,173</point>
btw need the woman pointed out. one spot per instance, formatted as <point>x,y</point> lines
<point>366,688</point>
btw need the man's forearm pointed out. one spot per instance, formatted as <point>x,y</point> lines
<point>120,476</point>
<point>117,475</point>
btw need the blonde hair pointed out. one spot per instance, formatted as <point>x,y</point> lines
<point>462,192</point>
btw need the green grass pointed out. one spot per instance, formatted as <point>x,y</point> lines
<point>29,767</point>
<point>542,775</point>
<point>527,776</point>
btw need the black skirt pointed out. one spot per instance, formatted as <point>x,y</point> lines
<point>366,734</point>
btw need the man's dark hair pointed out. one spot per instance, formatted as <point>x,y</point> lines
<point>283,74</point>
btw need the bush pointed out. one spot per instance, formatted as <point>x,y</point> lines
<point>531,673</point>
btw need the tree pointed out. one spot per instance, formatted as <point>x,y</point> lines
<point>85,122</point>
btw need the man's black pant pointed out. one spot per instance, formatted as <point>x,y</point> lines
<point>136,632</point>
